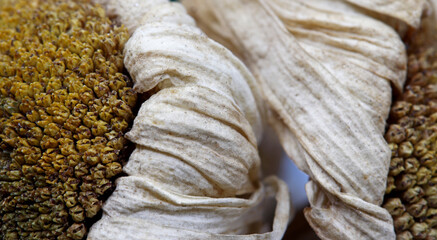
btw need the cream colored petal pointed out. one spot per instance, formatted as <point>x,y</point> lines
<point>129,12</point>
<point>164,49</point>
<point>195,172</point>
<point>408,11</point>
<point>325,69</point>
<point>158,214</point>
<point>426,35</point>
<point>202,129</point>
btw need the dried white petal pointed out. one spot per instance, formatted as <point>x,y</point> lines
<point>195,171</point>
<point>325,69</point>
<point>129,12</point>
<point>408,11</point>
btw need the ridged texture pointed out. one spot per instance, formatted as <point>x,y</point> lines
<point>412,183</point>
<point>64,106</point>
<point>325,69</point>
<point>195,171</point>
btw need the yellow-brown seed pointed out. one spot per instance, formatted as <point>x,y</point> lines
<point>394,206</point>
<point>65,105</point>
<point>411,193</point>
<point>403,222</point>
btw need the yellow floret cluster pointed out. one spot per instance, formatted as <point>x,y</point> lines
<point>65,105</point>
<point>411,195</point>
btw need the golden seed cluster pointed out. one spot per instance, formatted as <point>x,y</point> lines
<point>64,107</point>
<point>411,194</point>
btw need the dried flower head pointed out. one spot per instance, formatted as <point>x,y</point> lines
<point>411,200</point>
<point>64,107</point>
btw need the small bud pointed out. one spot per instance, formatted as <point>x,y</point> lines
<point>419,230</point>
<point>403,222</point>
<point>405,149</point>
<point>400,109</point>
<point>76,231</point>
<point>421,148</point>
<point>432,234</point>
<point>394,206</point>
<point>431,217</point>
<point>413,195</point>
<point>418,209</point>
<point>405,181</point>
<point>77,213</point>
<point>411,165</point>
<point>395,134</point>
<point>396,166</point>
<point>423,175</point>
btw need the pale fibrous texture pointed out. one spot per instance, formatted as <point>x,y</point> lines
<point>195,172</point>
<point>325,70</point>
<point>406,11</point>
<point>128,12</point>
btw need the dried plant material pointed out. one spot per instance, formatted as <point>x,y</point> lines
<point>195,171</point>
<point>426,35</point>
<point>325,69</point>
<point>411,194</point>
<point>408,11</point>
<point>129,12</point>
<point>64,108</point>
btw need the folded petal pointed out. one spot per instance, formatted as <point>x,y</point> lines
<point>195,172</point>
<point>325,69</point>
